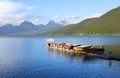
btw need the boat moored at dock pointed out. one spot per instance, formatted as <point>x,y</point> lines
<point>81,48</point>
<point>75,48</point>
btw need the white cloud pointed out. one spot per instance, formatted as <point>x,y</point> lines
<point>12,19</point>
<point>56,17</point>
<point>12,12</point>
<point>36,21</point>
<point>71,17</point>
<point>94,16</point>
<point>9,7</point>
<point>30,7</point>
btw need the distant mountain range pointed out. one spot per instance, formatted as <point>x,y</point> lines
<point>107,24</point>
<point>28,28</point>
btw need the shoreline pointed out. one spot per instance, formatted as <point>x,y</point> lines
<point>115,49</point>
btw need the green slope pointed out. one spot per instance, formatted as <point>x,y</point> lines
<point>108,24</point>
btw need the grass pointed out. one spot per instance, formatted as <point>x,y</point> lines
<point>114,49</point>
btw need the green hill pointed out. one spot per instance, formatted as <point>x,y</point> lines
<point>108,24</point>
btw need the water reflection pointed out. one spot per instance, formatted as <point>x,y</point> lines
<point>84,57</point>
<point>76,56</point>
<point>110,63</point>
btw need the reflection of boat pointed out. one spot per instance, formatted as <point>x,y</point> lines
<point>72,55</point>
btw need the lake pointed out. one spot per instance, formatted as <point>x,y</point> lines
<point>29,57</point>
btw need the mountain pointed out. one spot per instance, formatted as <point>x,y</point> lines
<point>7,29</point>
<point>107,24</point>
<point>52,24</point>
<point>27,28</point>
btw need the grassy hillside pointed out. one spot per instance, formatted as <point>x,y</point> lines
<point>108,24</point>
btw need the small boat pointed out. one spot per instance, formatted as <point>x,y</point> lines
<point>52,45</point>
<point>94,49</point>
<point>81,48</point>
<point>68,46</point>
<point>50,40</point>
<point>60,45</point>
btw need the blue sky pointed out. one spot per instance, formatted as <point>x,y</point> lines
<point>41,11</point>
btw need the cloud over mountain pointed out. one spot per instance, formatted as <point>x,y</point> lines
<point>72,17</point>
<point>13,12</point>
<point>94,16</point>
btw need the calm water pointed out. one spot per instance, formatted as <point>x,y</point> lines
<point>28,57</point>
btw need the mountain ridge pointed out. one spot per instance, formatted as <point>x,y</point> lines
<point>25,27</point>
<point>107,24</point>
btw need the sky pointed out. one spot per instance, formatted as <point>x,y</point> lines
<point>41,11</point>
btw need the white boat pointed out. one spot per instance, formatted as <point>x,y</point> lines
<point>86,46</point>
<point>50,40</point>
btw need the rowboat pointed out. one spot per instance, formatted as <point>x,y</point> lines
<point>94,49</point>
<point>81,48</point>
